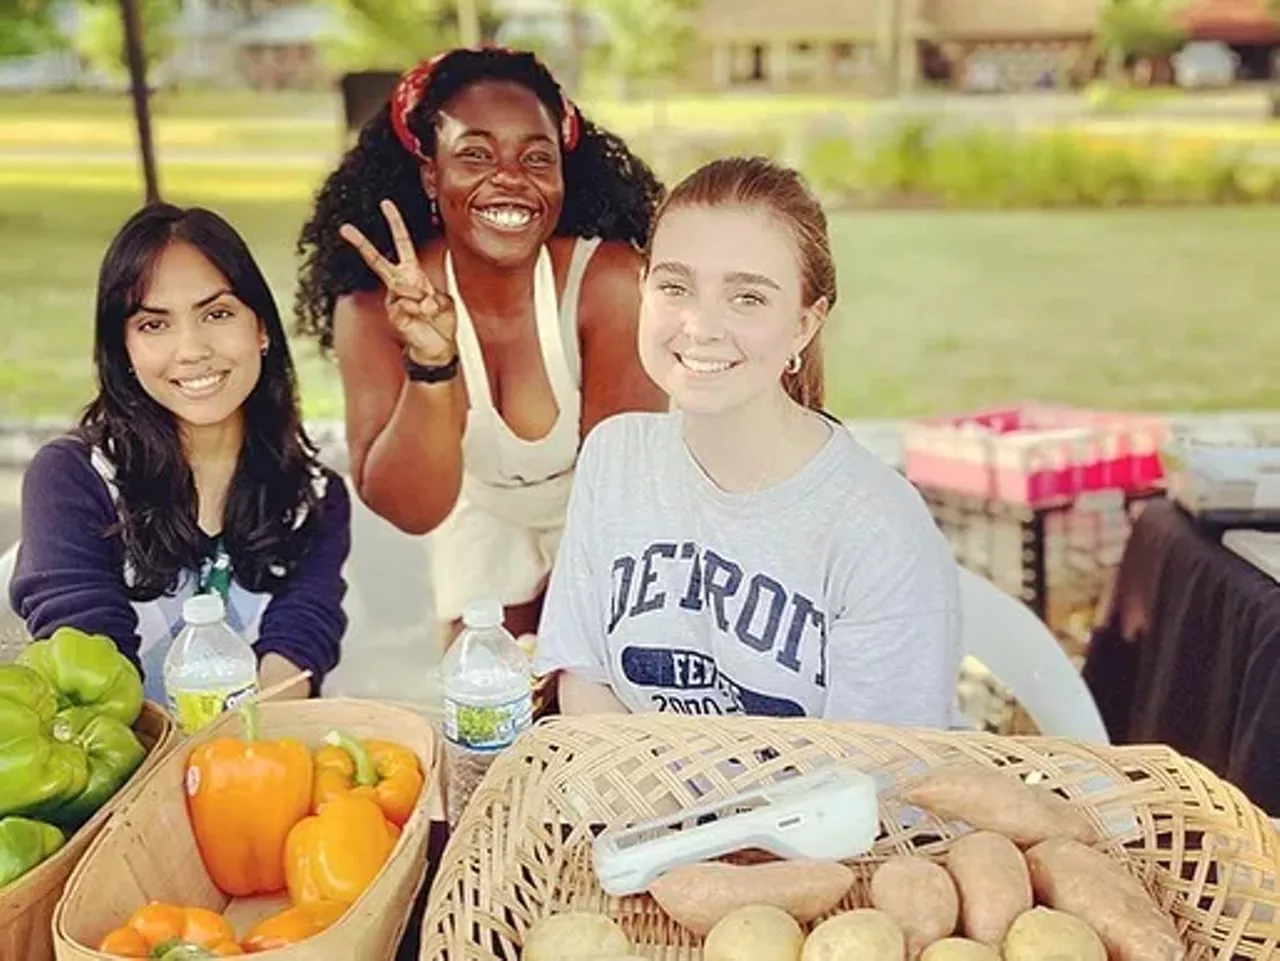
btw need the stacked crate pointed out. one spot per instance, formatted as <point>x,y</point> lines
<point>1036,498</point>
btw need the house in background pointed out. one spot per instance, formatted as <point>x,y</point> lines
<point>798,45</point>
<point>275,46</point>
<point>1244,26</point>
<point>262,44</point>
<point>994,45</point>
<point>879,45</point>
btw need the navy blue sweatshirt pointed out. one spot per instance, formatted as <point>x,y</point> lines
<point>70,572</point>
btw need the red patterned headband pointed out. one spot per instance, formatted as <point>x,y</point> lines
<point>409,92</point>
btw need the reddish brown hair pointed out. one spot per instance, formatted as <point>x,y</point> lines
<point>778,191</point>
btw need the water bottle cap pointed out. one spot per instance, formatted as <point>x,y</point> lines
<point>203,609</point>
<point>483,613</point>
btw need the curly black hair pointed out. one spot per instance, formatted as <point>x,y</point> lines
<point>609,192</point>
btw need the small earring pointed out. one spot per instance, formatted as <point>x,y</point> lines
<point>434,210</point>
<point>794,363</point>
<point>265,348</point>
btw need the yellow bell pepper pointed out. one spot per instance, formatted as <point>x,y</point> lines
<point>386,773</point>
<point>292,925</point>
<point>336,854</point>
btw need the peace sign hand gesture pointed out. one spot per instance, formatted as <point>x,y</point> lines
<point>422,316</point>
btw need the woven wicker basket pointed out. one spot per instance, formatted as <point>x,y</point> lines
<point>148,851</point>
<point>523,847</point>
<point>27,905</point>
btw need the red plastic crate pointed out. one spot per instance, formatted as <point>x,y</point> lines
<point>1035,454</point>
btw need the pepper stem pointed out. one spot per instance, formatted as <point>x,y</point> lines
<point>366,773</point>
<point>179,949</point>
<point>249,720</point>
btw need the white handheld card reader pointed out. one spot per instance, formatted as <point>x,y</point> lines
<point>829,815</point>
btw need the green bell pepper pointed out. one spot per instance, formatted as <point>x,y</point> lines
<point>87,670</point>
<point>59,767</point>
<point>24,844</point>
<point>36,771</point>
<point>113,753</point>
<point>25,686</point>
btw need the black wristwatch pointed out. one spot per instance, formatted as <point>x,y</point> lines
<point>429,374</point>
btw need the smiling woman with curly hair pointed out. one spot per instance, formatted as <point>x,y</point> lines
<point>473,263</point>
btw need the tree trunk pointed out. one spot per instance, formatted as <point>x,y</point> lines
<point>138,87</point>
<point>572,75</point>
<point>468,23</point>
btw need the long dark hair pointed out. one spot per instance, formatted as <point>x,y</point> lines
<point>273,480</point>
<point>779,191</point>
<point>609,192</point>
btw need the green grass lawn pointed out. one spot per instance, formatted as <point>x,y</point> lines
<point>55,223</point>
<point>312,122</point>
<point>939,311</point>
<point>1151,309</point>
<point>294,123</point>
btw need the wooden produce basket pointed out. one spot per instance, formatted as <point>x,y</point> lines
<point>522,849</point>
<point>27,905</point>
<point>148,851</point>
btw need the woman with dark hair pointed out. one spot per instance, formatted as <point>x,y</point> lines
<point>190,472</point>
<point>473,262</point>
<point>743,554</point>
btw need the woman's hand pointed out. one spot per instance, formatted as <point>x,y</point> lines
<point>578,696</point>
<point>422,316</point>
<point>275,668</point>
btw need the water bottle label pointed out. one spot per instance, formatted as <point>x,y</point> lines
<point>193,710</point>
<point>489,728</point>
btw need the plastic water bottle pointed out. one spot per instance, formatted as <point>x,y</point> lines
<point>488,700</point>
<point>210,668</point>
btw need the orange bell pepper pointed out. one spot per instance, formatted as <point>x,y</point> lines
<point>386,773</point>
<point>292,925</point>
<point>336,854</point>
<point>244,796</point>
<point>165,926</point>
<point>124,943</point>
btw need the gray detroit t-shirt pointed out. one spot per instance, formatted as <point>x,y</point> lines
<point>832,594</point>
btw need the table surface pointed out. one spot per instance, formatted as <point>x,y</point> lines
<point>1189,653</point>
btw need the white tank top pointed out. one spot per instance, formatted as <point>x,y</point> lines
<point>526,481</point>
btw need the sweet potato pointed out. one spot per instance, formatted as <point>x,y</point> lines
<point>991,876</point>
<point>989,800</point>
<point>1079,880</point>
<point>920,896</point>
<point>697,896</point>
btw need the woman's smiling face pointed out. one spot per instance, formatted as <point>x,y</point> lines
<point>722,309</point>
<point>497,176</point>
<point>194,346</point>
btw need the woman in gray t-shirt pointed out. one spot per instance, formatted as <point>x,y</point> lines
<point>743,554</point>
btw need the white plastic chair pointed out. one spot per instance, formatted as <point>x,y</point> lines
<point>1019,649</point>
<point>13,633</point>
<point>8,561</point>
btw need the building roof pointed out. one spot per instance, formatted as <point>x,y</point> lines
<point>1231,21</point>
<point>763,20</point>
<point>979,19</point>
<point>772,19</point>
